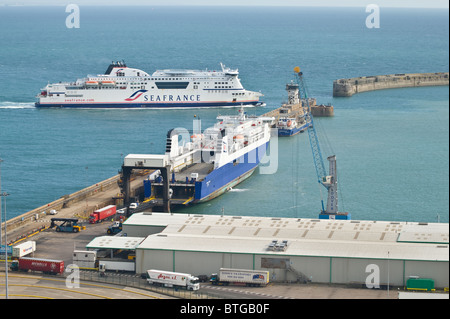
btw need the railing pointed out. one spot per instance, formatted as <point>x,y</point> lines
<point>137,282</point>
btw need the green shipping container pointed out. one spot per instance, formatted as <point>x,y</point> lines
<point>420,284</point>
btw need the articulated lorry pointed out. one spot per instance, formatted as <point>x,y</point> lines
<point>227,276</point>
<point>47,266</point>
<point>172,279</point>
<point>102,213</point>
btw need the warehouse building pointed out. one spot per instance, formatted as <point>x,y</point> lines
<point>293,249</point>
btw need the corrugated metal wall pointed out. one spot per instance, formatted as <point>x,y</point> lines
<point>317,269</point>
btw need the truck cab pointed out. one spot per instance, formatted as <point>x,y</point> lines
<point>93,219</point>
<point>115,228</point>
<point>14,266</point>
<point>193,283</point>
<point>215,280</point>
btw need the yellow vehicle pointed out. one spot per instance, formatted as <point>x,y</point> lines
<point>68,225</point>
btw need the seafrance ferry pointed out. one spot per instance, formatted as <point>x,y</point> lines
<point>125,87</point>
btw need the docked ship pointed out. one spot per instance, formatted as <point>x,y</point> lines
<point>291,118</point>
<point>125,87</point>
<point>291,125</point>
<point>204,165</point>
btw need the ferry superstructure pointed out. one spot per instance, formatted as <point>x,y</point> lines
<point>211,162</point>
<point>292,115</point>
<point>125,87</point>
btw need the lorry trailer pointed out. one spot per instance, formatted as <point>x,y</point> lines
<point>23,249</point>
<point>47,266</point>
<point>116,265</point>
<point>227,276</point>
<point>102,213</point>
<point>172,279</point>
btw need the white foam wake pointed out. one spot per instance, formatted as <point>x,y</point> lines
<point>16,105</point>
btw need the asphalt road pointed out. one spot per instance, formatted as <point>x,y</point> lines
<point>31,286</point>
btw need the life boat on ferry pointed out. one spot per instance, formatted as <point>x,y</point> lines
<point>197,136</point>
<point>91,83</point>
<point>108,82</point>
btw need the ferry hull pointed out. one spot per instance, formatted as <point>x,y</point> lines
<point>229,175</point>
<point>293,131</point>
<point>146,105</point>
<point>213,185</point>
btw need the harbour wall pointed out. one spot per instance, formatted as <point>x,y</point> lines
<point>348,87</point>
<point>63,202</point>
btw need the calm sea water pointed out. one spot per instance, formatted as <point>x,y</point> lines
<point>392,146</point>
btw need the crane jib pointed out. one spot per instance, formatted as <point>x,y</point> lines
<point>329,181</point>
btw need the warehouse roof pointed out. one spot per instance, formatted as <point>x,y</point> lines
<point>304,237</point>
<point>115,242</point>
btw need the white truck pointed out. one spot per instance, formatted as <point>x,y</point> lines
<point>116,265</point>
<point>172,279</point>
<point>227,276</point>
<point>24,249</point>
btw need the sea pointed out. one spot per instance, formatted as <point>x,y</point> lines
<point>392,146</point>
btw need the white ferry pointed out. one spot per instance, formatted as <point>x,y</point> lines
<point>125,87</point>
<point>209,163</point>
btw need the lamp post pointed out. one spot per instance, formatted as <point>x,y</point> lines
<point>6,243</point>
<point>6,247</point>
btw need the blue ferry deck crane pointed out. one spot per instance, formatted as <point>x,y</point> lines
<point>329,181</point>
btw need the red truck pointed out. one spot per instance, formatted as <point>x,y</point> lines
<point>102,213</point>
<point>47,266</point>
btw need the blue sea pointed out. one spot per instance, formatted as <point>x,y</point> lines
<point>392,146</point>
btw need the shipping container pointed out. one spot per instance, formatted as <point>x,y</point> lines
<point>38,264</point>
<point>420,284</point>
<point>101,214</point>
<point>84,255</point>
<point>116,265</point>
<point>24,249</point>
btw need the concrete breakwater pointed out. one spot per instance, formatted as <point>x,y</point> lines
<point>348,87</point>
<point>64,201</point>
